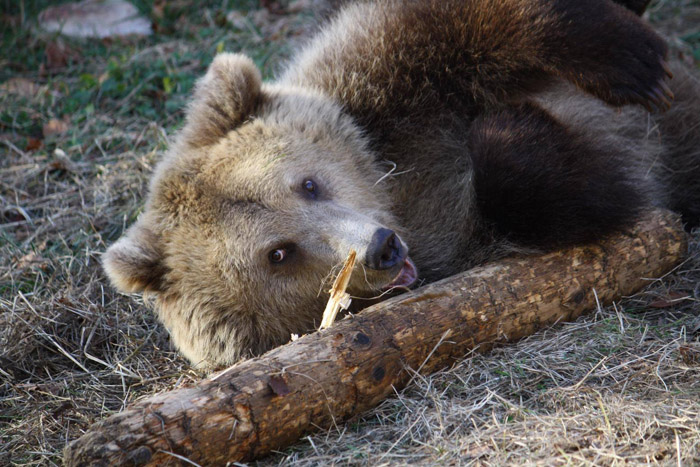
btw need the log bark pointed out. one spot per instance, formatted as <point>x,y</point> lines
<point>267,403</point>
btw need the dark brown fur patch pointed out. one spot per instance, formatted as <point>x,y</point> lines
<point>680,129</point>
<point>541,184</point>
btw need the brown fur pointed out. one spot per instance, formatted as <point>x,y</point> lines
<point>462,125</point>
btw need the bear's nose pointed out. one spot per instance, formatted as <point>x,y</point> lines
<point>384,250</point>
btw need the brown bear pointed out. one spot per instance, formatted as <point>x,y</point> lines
<point>429,136</point>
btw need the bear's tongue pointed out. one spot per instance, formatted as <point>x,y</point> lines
<point>406,277</point>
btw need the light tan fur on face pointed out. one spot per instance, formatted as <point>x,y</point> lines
<point>228,193</point>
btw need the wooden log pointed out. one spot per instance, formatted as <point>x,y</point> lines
<point>324,378</point>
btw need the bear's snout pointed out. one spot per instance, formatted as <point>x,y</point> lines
<point>385,250</point>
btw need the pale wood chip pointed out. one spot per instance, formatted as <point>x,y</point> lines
<point>339,298</point>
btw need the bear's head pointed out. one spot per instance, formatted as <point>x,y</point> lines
<point>259,201</point>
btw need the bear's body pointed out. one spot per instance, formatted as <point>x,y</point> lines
<point>428,134</point>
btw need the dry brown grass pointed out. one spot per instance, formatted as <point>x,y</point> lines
<point>621,385</point>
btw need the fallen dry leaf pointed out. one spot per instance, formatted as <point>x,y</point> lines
<point>59,55</point>
<point>20,86</point>
<point>54,127</point>
<point>690,353</point>
<point>31,259</point>
<point>33,144</point>
<point>476,451</point>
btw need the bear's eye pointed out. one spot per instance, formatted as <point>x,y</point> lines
<point>281,254</point>
<point>278,255</point>
<point>311,188</point>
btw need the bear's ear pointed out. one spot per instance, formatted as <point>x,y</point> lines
<point>222,99</point>
<point>136,263</point>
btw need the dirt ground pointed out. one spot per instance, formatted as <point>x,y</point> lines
<point>82,123</point>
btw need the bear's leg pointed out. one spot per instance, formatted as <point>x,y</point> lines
<point>539,184</point>
<point>638,6</point>
<point>609,52</point>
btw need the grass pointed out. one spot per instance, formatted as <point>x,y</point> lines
<point>619,385</point>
